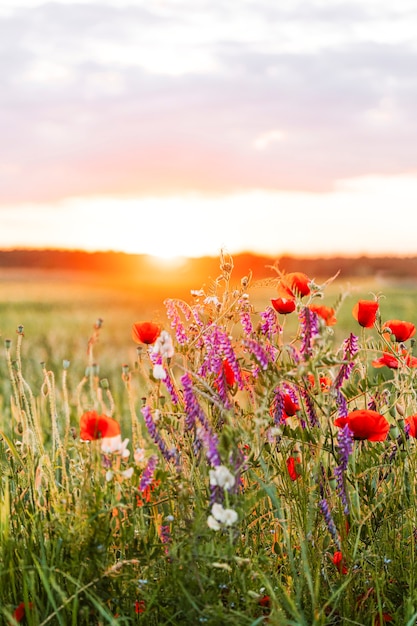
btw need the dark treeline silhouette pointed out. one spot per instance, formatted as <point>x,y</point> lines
<point>142,268</point>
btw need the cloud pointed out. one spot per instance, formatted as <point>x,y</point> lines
<point>167,98</point>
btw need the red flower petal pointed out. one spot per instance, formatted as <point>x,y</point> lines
<point>94,426</point>
<point>365,424</point>
<point>283,305</point>
<point>365,312</point>
<point>145,332</point>
<point>401,330</point>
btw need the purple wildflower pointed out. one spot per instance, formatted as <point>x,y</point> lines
<point>170,386</point>
<point>258,352</point>
<point>342,407</point>
<point>269,326</point>
<point>313,419</point>
<point>350,348</point>
<point>278,407</point>
<point>309,330</point>
<point>324,507</point>
<point>210,442</point>
<point>169,455</point>
<point>345,445</point>
<point>148,473</point>
<point>245,318</point>
<point>174,317</point>
<point>193,411</point>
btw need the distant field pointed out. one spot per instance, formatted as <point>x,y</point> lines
<point>59,308</point>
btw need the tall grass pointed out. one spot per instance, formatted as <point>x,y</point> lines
<point>241,501</point>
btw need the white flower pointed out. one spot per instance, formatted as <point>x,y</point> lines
<point>212,300</point>
<point>163,345</point>
<point>139,455</point>
<point>221,476</point>
<point>221,516</point>
<point>115,445</point>
<point>213,523</point>
<point>128,473</point>
<point>109,475</point>
<point>159,372</point>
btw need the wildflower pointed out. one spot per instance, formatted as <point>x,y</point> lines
<point>365,312</point>
<point>115,445</point>
<point>350,348</point>
<point>148,473</point>
<point>365,424</point>
<point>411,422</point>
<point>222,477</point>
<point>325,382</point>
<point>139,606</point>
<point>145,332</point>
<point>258,352</point>
<point>338,561</point>
<point>325,312</point>
<point>221,517</point>
<point>386,617</point>
<point>388,359</point>
<point>139,455</point>
<point>163,345</point>
<point>309,330</point>
<point>401,330</point>
<point>294,284</point>
<point>324,507</point>
<point>292,467</point>
<point>20,611</point>
<point>345,445</point>
<point>264,601</point>
<point>228,373</point>
<point>169,455</point>
<point>94,426</point>
<point>284,306</point>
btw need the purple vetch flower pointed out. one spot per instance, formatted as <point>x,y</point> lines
<point>341,403</point>
<point>170,386</point>
<point>278,407</point>
<point>309,330</point>
<point>218,348</point>
<point>245,317</point>
<point>269,325</point>
<point>350,348</point>
<point>313,419</point>
<point>175,320</point>
<point>331,526</point>
<point>345,446</point>
<point>258,352</point>
<point>148,473</point>
<point>193,410</point>
<point>169,455</point>
<point>210,442</point>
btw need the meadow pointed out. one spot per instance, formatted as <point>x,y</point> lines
<point>207,466</point>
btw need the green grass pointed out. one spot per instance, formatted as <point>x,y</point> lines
<point>80,546</point>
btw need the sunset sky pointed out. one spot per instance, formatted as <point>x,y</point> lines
<point>178,127</point>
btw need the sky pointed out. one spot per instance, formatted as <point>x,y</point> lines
<point>180,127</point>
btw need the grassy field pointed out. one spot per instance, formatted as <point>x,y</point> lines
<point>89,537</point>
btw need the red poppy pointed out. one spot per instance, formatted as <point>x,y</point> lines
<point>365,424</point>
<point>338,561</point>
<point>145,332</point>
<point>283,305</point>
<point>265,601</point>
<point>365,312</point>
<point>401,330</point>
<point>289,406</point>
<point>325,312</point>
<point>292,467</point>
<point>20,611</point>
<point>139,606</point>
<point>386,617</point>
<point>229,373</point>
<point>325,382</point>
<point>94,426</point>
<point>294,284</point>
<point>412,422</point>
<point>391,360</point>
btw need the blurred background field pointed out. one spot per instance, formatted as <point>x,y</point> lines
<point>58,299</point>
